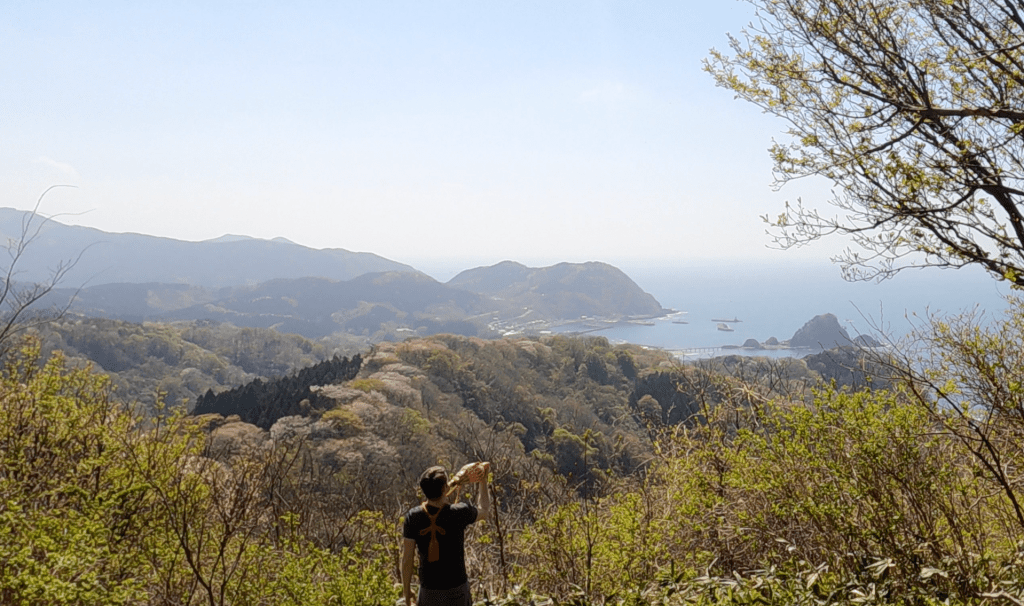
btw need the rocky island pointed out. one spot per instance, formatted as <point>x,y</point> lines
<point>822,332</point>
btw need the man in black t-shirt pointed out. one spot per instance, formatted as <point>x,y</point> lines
<point>436,531</point>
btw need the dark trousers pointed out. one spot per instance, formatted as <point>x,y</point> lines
<point>456,596</point>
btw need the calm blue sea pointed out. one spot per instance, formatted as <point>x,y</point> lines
<point>775,301</point>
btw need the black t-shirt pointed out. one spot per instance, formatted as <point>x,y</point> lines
<point>450,568</point>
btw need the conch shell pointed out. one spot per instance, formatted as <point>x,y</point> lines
<point>470,472</point>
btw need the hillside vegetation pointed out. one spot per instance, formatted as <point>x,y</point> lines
<point>180,361</point>
<point>620,476</point>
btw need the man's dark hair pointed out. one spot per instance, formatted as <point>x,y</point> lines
<point>433,482</point>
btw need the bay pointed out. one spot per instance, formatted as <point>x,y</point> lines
<point>775,300</point>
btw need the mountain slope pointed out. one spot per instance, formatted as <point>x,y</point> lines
<point>392,302</point>
<point>565,290</point>
<point>108,258</point>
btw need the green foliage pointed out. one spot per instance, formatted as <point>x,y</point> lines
<point>845,481</point>
<point>865,471</point>
<point>66,503</point>
<point>181,360</point>
<point>965,371</point>
<point>443,363</point>
<point>367,385</point>
<point>304,575</point>
<point>346,422</point>
<point>98,508</point>
<point>607,545</point>
<point>849,498</point>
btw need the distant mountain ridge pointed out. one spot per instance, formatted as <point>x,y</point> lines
<point>278,284</point>
<point>379,306</point>
<point>113,258</point>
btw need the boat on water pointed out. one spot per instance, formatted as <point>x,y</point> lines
<point>723,320</point>
<point>680,322</point>
<point>724,327</point>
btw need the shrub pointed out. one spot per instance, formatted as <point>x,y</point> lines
<point>71,516</point>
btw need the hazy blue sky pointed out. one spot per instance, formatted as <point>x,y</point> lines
<point>477,131</point>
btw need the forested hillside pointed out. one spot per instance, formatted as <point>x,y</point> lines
<point>619,475</point>
<point>580,407</point>
<point>264,403</point>
<point>577,408</point>
<point>182,360</point>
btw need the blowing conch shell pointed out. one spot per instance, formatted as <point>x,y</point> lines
<point>470,472</point>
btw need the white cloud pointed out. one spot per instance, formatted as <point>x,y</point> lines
<point>65,168</point>
<point>608,93</point>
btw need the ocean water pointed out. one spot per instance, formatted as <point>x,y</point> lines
<point>777,300</point>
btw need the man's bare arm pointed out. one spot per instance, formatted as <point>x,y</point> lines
<point>408,553</point>
<point>483,499</point>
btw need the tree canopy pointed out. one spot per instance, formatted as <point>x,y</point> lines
<point>913,108</point>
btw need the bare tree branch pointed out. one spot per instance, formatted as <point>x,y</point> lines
<point>18,300</point>
<point>914,109</point>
